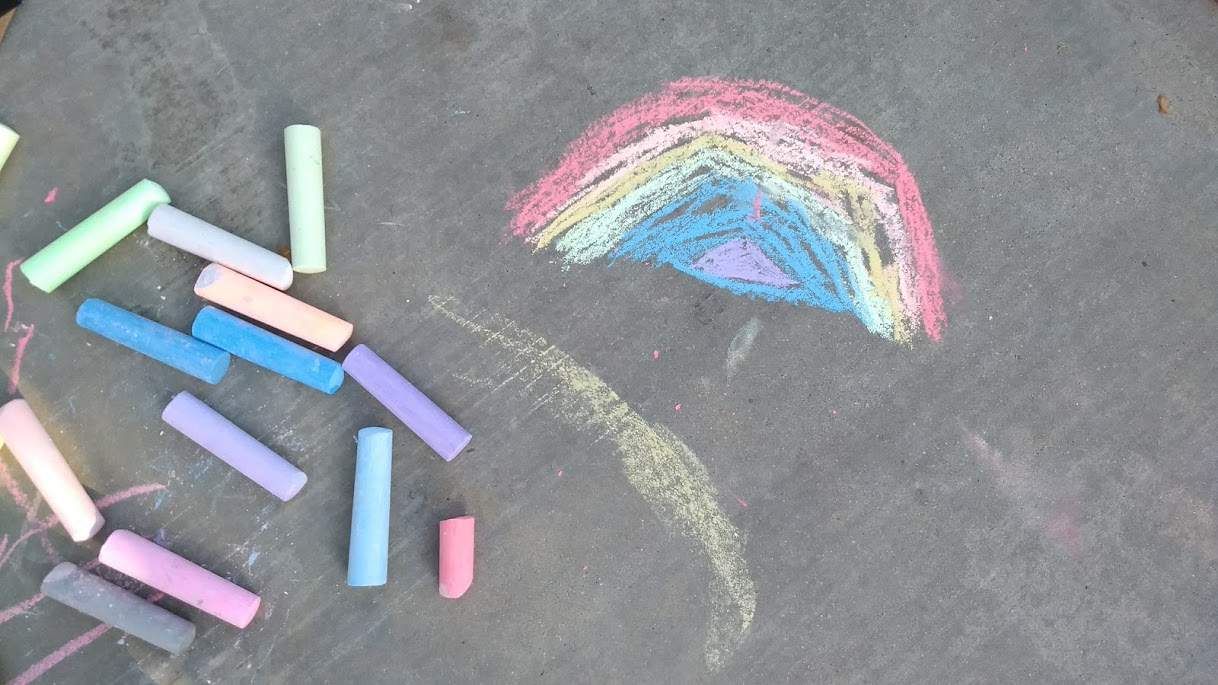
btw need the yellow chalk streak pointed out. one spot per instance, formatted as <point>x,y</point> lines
<point>657,464</point>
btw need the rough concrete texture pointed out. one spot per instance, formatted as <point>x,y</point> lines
<point>1030,500</point>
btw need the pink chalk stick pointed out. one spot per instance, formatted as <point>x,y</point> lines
<point>267,305</point>
<point>456,556</point>
<point>157,567</point>
<point>43,463</point>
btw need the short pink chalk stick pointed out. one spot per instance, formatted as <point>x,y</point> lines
<point>267,305</point>
<point>45,465</point>
<point>157,567</point>
<point>456,556</point>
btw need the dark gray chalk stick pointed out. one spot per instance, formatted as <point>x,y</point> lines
<point>109,603</point>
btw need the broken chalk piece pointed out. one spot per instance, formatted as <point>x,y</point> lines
<point>112,605</point>
<point>456,556</point>
<point>420,414</point>
<point>266,305</point>
<point>185,232</point>
<point>306,203</point>
<point>44,464</point>
<point>8,141</point>
<point>87,240</point>
<point>170,347</point>
<point>368,556</point>
<point>157,567</point>
<point>216,434</point>
<point>267,350</point>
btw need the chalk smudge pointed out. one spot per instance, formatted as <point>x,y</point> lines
<point>8,293</point>
<point>749,186</point>
<point>741,345</point>
<point>656,462</point>
<point>51,195</point>
<point>1043,505</point>
<point>14,375</point>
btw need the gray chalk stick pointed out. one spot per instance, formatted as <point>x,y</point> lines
<point>110,604</point>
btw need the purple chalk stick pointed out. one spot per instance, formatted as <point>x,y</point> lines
<point>420,414</point>
<point>233,446</point>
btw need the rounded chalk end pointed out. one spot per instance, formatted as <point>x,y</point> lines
<point>58,574</point>
<point>207,277</point>
<point>187,637</point>
<point>243,620</point>
<point>216,370</point>
<point>335,381</point>
<point>308,267</point>
<point>294,486</point>
<point>153,194</point>
<point>283,280</point>
<point>452,454</point>
<point>80,534</point>
<point>37,278</point>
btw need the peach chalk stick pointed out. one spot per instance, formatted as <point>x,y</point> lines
<point>456,556</point>
<point>157,567</point>
<point>267,305</point>
<point>45,465</point>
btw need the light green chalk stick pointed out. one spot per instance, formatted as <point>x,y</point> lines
<point>87,240</point>
<point>8,140</point>
<point>306,208</point>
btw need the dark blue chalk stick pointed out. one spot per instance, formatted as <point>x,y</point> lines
<point>111,604</point>
<point>261,347</point>
<point>150,338</point>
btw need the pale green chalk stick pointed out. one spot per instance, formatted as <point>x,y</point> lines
<point>306,209</point>
<point>8,140</point>
<point>87,240</point>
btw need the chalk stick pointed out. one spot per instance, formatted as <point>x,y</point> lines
<point>112,605</point>
<point>8,141</point>
<point>266,305</point>
<point>267,350</point>
<point>87,240</point>
<point>185,232</point>
<point>412,407</point>
<point>44,464</point>
<point>306,204</point>
<point>157,567</point>
<point>368,554</point>
<point>216,434</point>
<point>170,347</point>
<point>456,556</point>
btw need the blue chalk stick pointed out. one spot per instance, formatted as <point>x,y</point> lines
<point>162,343</point>
<point>368,557</point>
<point>267,350</point>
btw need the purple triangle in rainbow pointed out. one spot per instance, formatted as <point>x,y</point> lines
<point>741,260</point>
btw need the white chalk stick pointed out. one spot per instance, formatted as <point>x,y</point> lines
<point>185,232</point>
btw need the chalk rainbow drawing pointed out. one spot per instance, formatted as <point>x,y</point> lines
<point>749,186</point>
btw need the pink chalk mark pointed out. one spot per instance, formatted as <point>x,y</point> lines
<point>30,510</point>
<point>757,206</point>
<point>741,501</point>
<point>677,407</point>
<point>560,473</point>
<point>831,131</point>
<point>655,354</point>
<point>52,660</point>
<point>14,376</point>
<point>8,292</point>
<point>51,195</point>
<point>51,521</point>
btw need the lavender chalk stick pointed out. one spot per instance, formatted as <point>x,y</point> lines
<point>112,605</point>
<point>419,413</point>
<point>233,446</point>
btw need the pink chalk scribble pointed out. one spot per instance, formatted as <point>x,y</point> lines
<point>14,375</point>
<point>677,407</point>
<point>51,195</point>
<point>741,501</point>
<point>757,205</point>
<point>40,527</point>
<point>655,354</point>
<point>52,660</point>
<point>29,510</point>
<point>8,292</point>
<point>1043,504</point>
